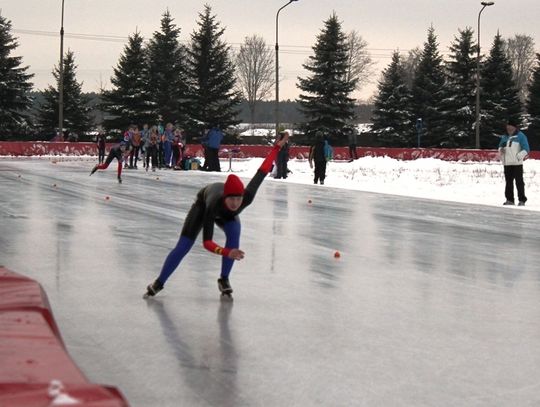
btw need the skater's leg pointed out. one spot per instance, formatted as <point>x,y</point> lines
<point>232,232</point>
<point>104,165</point>
<point>190,230</point>
<point>119,170</point>
<point>174,258</point>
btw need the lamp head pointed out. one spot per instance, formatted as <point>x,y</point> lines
<point>484,3</point>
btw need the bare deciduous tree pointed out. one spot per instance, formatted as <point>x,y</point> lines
<point>361,66</point>
<point>255,72</point>
<point>520,52</point>
<point>410,65</point>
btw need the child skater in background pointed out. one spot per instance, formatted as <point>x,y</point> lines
<point>120,152</point>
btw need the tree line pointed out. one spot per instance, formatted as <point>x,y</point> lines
<point>436,105</point>
<point>422,99</point>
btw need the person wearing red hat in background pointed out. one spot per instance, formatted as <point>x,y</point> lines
<point>217,203</point>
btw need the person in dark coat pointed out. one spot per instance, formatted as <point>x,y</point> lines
<point>352,139</point>
<point>101,144</point>
<point>317,156</point>
<point>282,157</point>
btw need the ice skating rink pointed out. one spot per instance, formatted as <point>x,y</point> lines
<point>430,303</point>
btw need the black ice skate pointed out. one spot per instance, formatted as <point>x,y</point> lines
<point>94,169</point>
<point>119,180</point>
<point>225,287</point>
<point>153,289</point>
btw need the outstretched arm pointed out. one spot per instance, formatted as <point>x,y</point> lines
<point>270,158</point>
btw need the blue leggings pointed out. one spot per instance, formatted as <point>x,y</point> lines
<point>184,245</point>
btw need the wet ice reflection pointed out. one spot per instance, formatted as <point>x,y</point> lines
<point>430,303</point>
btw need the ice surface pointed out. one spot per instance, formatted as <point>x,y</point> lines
<point>431,303</point>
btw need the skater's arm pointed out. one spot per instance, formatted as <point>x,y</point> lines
<point>264,169</point>
<point>266,166</point>
<point>212,246</point>
<point>212,202</point>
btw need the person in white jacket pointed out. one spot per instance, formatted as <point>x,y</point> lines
<point>513,149</point>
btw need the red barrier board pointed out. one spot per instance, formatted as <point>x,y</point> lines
<point>35,368</point>
<point>37,148</point>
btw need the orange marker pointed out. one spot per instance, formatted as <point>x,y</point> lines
<point>337,254</point>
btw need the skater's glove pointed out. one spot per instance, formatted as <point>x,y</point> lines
<point>522,154</point>
<point>236,254</point>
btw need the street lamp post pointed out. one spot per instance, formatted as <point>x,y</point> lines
<point>61,79</point>
<point>477,120</point>
<point>277,66</point>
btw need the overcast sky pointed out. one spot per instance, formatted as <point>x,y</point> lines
<point>385,25</point>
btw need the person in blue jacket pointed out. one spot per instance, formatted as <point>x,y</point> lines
<point>214,137</point>
<point>513,149</point>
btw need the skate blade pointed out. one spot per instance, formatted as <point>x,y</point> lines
<point>226,297</point>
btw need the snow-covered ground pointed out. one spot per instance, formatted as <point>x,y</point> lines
<point>468,182</point>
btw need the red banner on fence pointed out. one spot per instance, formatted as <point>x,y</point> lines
<point>39,148</point>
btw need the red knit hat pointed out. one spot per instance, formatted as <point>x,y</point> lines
<point>233,186</point>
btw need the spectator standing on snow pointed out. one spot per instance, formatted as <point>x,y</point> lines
<point>101,144</point>
<point>218,203</point>
<point>136,139</point>
<point>177,149</point>
<point>145,141</point>
<point>152,149</point>
<point>319,155</point>
<point>513,149</point>
<point>161,138</point>
<point>167,144</point>
<point>282,157</point>
<point>352,137</point>
<point>215,136</point>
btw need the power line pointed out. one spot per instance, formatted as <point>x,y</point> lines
<point>284,48</point>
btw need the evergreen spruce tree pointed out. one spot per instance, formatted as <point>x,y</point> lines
<point>499,96</point>
<point>214,100</point>
<point>392,117</point>
<point>533,108</point>
<point>166,72</point>
<point>458,107</point>
<point>326,100</point>
<point>14,85</point>
<point>129,101</point>
<point>428,91</point>
<point>76,110</point>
